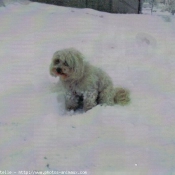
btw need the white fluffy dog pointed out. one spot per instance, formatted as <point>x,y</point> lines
<point>85,85</point>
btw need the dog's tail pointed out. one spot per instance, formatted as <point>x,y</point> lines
<point>122,96</point>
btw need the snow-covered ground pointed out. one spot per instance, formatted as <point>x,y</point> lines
<point>36,133</point>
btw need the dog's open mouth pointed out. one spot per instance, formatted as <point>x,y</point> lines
<point>62,75</point>
<point>59,73</point>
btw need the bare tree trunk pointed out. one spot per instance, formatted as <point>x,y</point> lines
<point>140,7</point>
<point>152,6</point>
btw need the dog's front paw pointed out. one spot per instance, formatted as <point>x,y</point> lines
<point>122,96</point>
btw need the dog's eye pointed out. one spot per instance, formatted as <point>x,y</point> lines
<point>65,63</point>
<point>56,61</point>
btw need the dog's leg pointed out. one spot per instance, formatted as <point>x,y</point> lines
<point>89,100</point>
<point>71,101</point>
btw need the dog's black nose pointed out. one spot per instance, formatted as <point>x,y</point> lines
<point>59,70</point>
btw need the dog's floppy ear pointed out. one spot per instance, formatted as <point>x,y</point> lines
<point>76,61</point>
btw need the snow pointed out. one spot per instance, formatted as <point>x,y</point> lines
<point>137,51</point>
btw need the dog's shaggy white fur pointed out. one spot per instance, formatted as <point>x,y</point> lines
<point>85,85</point>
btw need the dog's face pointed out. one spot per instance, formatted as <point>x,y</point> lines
<point>67,64</point>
